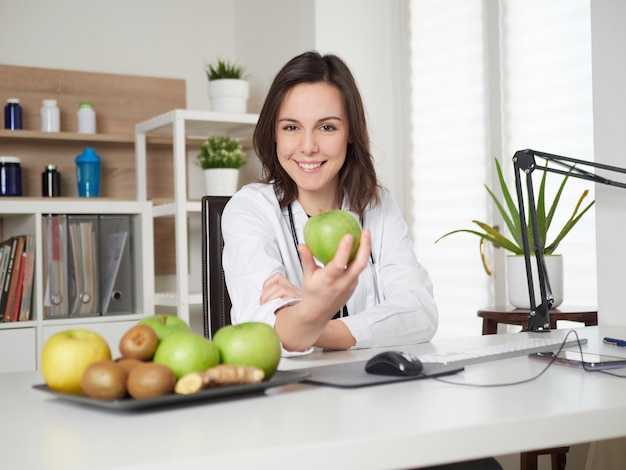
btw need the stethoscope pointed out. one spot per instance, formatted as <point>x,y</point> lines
<point>294,235</point>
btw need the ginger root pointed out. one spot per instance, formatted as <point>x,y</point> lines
<point>222,374</point>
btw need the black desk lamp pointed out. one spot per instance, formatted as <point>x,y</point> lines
<point>524,161</point>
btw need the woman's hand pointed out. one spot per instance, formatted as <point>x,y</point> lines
<point>332,285</point>
<point>324,291</point>
<point>278,286</point>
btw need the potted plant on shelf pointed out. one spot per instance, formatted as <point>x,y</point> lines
<point>516,269</point>
<point>220,158</point>
<point>228,88</point>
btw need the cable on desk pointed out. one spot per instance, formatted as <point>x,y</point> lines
<point>543,371</point>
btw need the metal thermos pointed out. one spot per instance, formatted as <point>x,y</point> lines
<point>51,182</point>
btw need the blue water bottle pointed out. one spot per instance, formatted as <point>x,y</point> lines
<point>88,173</point>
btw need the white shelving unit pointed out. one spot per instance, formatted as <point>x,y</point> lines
<point>21,342</point>
<point>120,101</point>
<point>183,125</point>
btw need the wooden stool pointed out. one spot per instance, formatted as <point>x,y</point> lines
<point>512,316</point>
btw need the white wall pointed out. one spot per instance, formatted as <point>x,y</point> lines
<point>159,38</point>
<point>609,95</point>
<point>269,33</point>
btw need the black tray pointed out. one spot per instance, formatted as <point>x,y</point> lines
<point>131,404</point>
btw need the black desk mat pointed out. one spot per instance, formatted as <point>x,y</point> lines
<point>352,374</point>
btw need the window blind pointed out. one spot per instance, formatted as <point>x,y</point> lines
<point>449,153</point>
<point>547,106</point>
<point>460,121</point>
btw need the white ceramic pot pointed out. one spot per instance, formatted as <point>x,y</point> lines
<point>517,284</point>
<point>229,95</point>
<point>221,181</point>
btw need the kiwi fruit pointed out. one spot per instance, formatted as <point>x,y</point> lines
<point>139,342</point>
<point>104,380</point>
<point>149,380</point>
<point>128,363</point>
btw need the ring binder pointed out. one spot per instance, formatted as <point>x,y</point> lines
<point>83,272</point>
<point>116,279</point>
<point>55,303</point>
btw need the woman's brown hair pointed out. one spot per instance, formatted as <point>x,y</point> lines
<point>357,177</point>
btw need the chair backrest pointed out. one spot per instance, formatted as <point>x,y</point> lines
<point>215,299</point>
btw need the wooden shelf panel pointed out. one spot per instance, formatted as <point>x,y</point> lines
<point>38,136</point>
<point>120,102</point>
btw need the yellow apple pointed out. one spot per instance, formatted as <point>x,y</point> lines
<point>66,355</point>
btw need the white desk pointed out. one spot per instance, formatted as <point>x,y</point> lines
<point>301,426</point>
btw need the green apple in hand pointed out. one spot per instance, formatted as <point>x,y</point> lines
<point>323,232</point>
<point>164,325</point>
<point>66,355</point>
<point>185,352</point>
<point>253,344</point>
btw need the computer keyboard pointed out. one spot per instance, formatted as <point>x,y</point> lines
<point>499,351</point>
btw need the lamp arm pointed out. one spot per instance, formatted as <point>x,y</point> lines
<point>539,316</point>
<point>524,161</point>
<point>573,170</point>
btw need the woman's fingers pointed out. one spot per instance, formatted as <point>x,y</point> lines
<point>342,256</point>
<point>363,253</point>
<point>328,288</point>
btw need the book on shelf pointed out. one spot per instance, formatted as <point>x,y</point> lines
<point>9,307</point>
<point>18,292</point>
<point>5,255</point>
<point>28,261</point>
<point>21,250</point>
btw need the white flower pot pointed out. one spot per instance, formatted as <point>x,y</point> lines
<point>221,181</point>
<point>517,284</point>
<point>229,95</point>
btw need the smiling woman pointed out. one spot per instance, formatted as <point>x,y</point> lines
<point>312,149</point>
<point>313,143</point>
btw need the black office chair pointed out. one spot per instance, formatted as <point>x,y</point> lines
<point>215,299</point>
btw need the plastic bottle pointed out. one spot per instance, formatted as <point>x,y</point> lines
<point>50,116</point>
<point>10,176</point>
<point>13,114</point>
<point>86,118</point>
<point>88,173</point>
<point>51,182</point>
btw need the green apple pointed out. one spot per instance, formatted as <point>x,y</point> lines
<point>186,352</point>
<point>323,232</point>
<point>249,344</point>
<point>66,355</point>
<point>165,325</point>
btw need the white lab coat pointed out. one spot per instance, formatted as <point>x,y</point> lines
<point>393,303</point>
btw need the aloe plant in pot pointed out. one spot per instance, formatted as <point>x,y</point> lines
<point>228,87</point>
<point>220,158</point>
<point>508,209</point>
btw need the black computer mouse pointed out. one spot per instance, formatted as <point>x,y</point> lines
<point>394,363</point>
